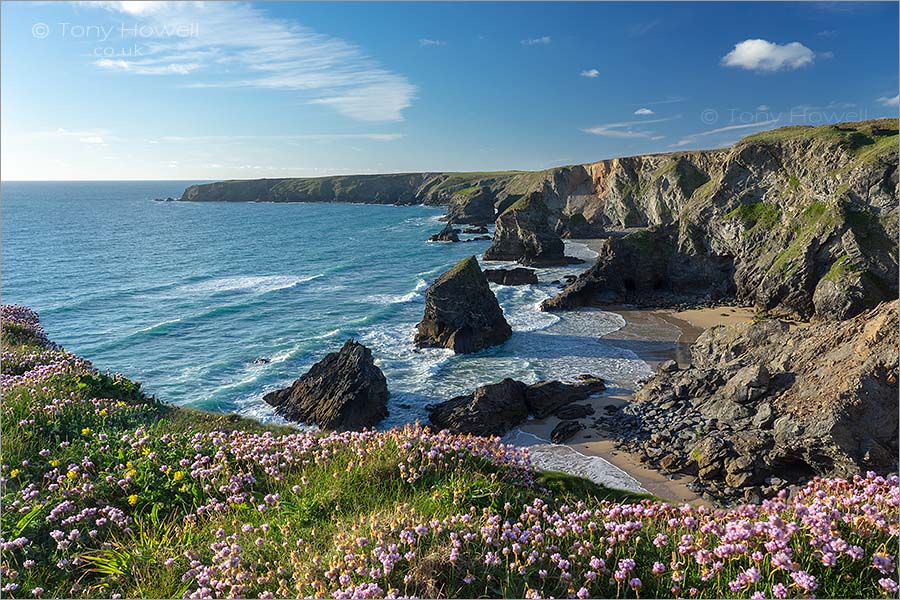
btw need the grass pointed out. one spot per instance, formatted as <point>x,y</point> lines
<point>755,214</point>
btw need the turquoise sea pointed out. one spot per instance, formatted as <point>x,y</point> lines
<point>186,297</point>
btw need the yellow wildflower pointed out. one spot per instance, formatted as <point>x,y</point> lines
<point>128,464</point>
<point>130,473</point>
<point>146,451</point>
<point>54,463</point>
<point>85,431</point>
<point>103,412</point>
<point>132,499</point>
<point>178,475</point>
<point>72,474</point>
<point>14,472</point>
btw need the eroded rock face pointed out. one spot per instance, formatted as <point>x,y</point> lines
<point>764,402</point>
<point>494,409</point>
<point>516,276</point>
<point>800,221</point>
<point>344,391</point>
<point>524,234</point>
<point>461,312</point>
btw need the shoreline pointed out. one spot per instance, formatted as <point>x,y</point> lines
<point>654,335</point>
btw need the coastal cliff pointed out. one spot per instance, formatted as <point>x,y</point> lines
<point>796,220</point>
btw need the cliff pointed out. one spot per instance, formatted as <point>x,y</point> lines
<point>800,220</point>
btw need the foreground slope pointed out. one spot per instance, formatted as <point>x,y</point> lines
<point>109,493</point>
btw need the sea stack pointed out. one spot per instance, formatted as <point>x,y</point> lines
<point>524,234</point>
<point>461,312</point>
<point>344,391</point>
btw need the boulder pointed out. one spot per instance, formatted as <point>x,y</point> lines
<point>496,408</point>
<point>447,234</point>
<point>344,391</point>
<point>524,234</point>
<point>516,276</point>
<point>479,229</point>
<point>574,411</point>
<point>491,409</point>
<point>546,397</point>
<point>461,312</point>
<point>564,431</point>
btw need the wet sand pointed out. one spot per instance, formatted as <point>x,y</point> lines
<point>654,336</point>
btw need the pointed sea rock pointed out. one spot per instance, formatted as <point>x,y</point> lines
<point>461,312</point>
<point>344,391</point>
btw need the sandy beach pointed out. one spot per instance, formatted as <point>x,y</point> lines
<point>655,336</point>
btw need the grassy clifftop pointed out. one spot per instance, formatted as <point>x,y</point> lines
<point>109,493</point>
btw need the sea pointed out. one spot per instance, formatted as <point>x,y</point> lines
<point>212,305</point>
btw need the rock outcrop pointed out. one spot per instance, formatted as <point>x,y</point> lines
<point>344,391</point>
<point>447,234</point>
<point>474,206</point>
<point>524,234</point>
<point>516,276</point>
<point>765,404</point>
<point>494,409</point>
<point>461,312</point>
<point>799,220</point>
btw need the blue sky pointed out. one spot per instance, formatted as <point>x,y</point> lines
<point>122,90</point>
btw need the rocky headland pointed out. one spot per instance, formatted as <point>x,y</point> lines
<point>461,312</point>
<point>767,404</point>
<point>345,391</point>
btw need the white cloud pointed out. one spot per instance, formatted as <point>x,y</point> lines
<point>762,107</point>
<point>626,129</point>
<point>430,42</point>
<point>762,55</point>
<point>239,45</point>
<point>590,73</point>
<point>888,101</point>
<point>644,111</point>
<point>694,136</point>
<point>130,7</point>
<point>92,139</point>
<point>536,41</point>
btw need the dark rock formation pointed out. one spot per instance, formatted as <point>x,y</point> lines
<point>474,206</point>
<point>496,408</point>
<point>764,403</point>
<point>447,234</point>
<point>461,312</point>
<point>516,276</point>
<point>564,431</point>
<point>524,234</point>
<point>491,409</point>
<point>344,391</point>
<point>546,397</point>
<point>479,229</point>
<point>574,411</point>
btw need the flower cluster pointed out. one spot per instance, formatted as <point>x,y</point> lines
<point>108,492</point>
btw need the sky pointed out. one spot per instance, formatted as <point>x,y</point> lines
<point>210,90</point>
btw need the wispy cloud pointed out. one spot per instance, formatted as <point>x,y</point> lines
<point>763,55</point>
<point>543,40</point>
<point>238,45</point>
<point>314,137</point>
<point>640,29</point>
<point>827,33</point>
<point>431,42</point>
<point>629,129</point>
<point>590,73</point>
<point>644,112</point>
<point>888,101</point>
<point>762,107</point>
<point>99,137</point>
<point>696,136</point>
<point>666,100</point>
